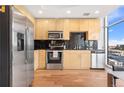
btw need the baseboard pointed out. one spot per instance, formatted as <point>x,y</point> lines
<point>97,68</point>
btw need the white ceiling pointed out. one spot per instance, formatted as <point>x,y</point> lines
<point>77,11</point>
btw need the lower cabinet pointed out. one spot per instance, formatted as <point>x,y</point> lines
<point>75,59</point>
<point>36,55</point>
<point>71,60</point>
<point>85,60</point>
<point>39,59</point>
<point>42,59</point>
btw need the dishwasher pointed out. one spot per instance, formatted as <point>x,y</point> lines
<point>98,59</point>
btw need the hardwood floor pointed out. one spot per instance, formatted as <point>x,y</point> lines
<point>70,78</point>
<point>119,83</point>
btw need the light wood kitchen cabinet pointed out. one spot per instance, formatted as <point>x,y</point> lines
<point>76,59</point>
<point>66,60</point>
<point>36,54</point>
<point>39,59</point>
<point>42,59</point>
<point>41,32</point>
<point>85,60</point>
<point>59,24</point>
<point>94,29</point>
<point>97,28</point>
<point>74,25</point>
<point>52,26</point>
<point>55,24</point>
<point>66,30</point>
<point>84,25</point>
<point>91,29</point>
<point>71,60</point>
<point>91,26</point>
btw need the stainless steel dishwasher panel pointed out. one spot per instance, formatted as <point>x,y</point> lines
<point>100,60</point>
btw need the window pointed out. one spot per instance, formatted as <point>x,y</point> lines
<point>116,38</point>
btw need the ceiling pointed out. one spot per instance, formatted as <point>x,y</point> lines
<point>70,11</point>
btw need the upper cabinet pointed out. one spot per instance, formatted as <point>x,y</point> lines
<point>84,25</point>
<point>55,24</point>
<point>60,24</point>
<point>41,32</point>
<point>94,29</point>
<point>66,29</point>
<point>91,26</point>
<point>74,25</point>
<point>51,25</point>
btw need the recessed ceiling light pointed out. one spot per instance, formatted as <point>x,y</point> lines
<point>40,12</point>
<point>96,12</point>
<point>68,11</point>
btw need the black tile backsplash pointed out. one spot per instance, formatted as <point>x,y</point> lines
<point>88,45</point>
<point>41,44</point>
<point>44,44</point>
<point>77,41</point>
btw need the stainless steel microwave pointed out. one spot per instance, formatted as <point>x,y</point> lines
<point>55,35</point>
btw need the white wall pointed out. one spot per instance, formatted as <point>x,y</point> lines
<point>101,41</point>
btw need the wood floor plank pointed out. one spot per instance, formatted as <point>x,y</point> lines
<point>70,78</point>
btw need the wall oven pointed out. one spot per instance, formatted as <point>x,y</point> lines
<point>55,35</point>
<point>54,59</point>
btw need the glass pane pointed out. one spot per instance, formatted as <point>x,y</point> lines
<point>116,44</point>
<point>116,15</point>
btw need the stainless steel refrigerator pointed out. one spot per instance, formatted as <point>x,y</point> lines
<point>22,50</point>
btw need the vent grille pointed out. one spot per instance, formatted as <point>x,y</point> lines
<point>86,14</point>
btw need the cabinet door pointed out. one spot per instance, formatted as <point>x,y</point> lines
<point>75,60</point>
<point>37,30</point>
<point>66,29</point>
<point>52,25</point>
<point>84,25</point>
<point>97,26</point>
<point>36,56</point>
<point>71,60</point>
<point>66,60</point>
<point>91,29</point>
<point>60,24</point>
<point>85,60</point>
<point>94,29</point>
<point>42,59</point>
<point>41,29</point>
<point>74,25</point>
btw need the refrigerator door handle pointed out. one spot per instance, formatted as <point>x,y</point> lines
<point>26,45</point>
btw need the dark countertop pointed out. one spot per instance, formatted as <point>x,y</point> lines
<point>93,51</point>
<point>98,51</point>
<point>118,74</point>
<point>74,49</point>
